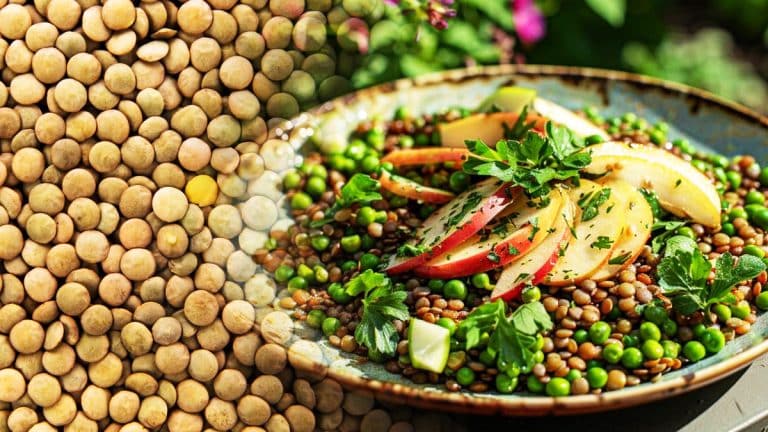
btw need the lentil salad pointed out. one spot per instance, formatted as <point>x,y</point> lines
<point>622,319</point>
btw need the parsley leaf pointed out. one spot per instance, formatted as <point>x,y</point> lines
<point>683,273</point>
<point>520,128</point>
<point>602,242</point>
<point>410,250</point>
<point>364,282</point>
<point>376,330</point>
<point>482,319</point>
<point>532,161</point>
<point>591,202</point>
<point>660,239</point>
<point>620,259</point>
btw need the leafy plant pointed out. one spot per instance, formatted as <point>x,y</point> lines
<point>382,304</point>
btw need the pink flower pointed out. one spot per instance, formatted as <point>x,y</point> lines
<point>529,22</point>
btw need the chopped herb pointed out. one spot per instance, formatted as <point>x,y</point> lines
<point>382,305</point>
<point>520,128</point>
<point>521,277</point>
<point>602,242</point>
<point>360,189</point>
<point>493,257</point>
<point>410,250</point>
<point>513,250</point>
<point>590,204</point>
<point>473,199</point>
<point>660,239</point>
<point>365,281</point>
<point>533,162</point>
<point>621,259</point>
<point>535,225</point>
<point>677,183</point>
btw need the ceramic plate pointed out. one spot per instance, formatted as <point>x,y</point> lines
<point>700,117</point>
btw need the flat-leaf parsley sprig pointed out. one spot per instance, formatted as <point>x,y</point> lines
<point>533,163</point>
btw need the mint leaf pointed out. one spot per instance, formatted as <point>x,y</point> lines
<point>728,274</point>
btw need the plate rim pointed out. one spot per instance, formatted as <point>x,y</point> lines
<point>525,405</point>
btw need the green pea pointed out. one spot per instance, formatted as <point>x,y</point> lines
<point>614,121</point>
<point>292,180</point>
<point>297,283</point>
<point>481,281</point>
<point>387,166</point>
<point>762,301</point>
<point>741,310</point>
<point>629,340</point>
<point>375,138</point>
<point>369,164</point>
<point>505,384</point>
<point>722,311</point>
<point>369,261</point>
<point>640,124</point>
<point>720,161</point>
<point>321,274</point>
<point>686,147</point>
<point>599,332</point>
<point>350,244</point>
<point>755,197</point>
<point>632,358</point>
<point>531,294</point>
<point>698,330</point>
<point>380,216</point>
<point>597,377</point>
<point>447,323</point>
<point>301,201</point>
<point>760,218</point>
<point>348,165</point>
<point>593,139</point>
<point>652,349</point>
<point>734,178</point>
<point>662,126</point>
<point>534,385</point>
<point>687,232</point>
<point>671,348</point>
<point>320,242</point>
<point>591,112</point>
<point>669,327</point>
<point>629,117</point>
<point>458,181</point>
<point>558,387</point>
<point>612,353</point>
<point>318,170</point>
<point>465,376</point>
<point>694,351</point>
<point>613,130</point>
<point>270,244</point>
<point>713,340</point>
<point>435,285</point>
<point>455,289</point>
<point>348,266</point>
<point>655,314</point>
<point>650,331</point>
<point>405,141</point>
<point>422,140</point>
<point>763,176</point>
<point>283,273</point>
<point>754,250</point>
<point>701,165</point>
<point>402,112</point>
<point>367,242</point>
<point>657,137</point>
<point>338,293</point>
<point>538,357</point>
<point>331,325</point>
<point>315,318</point>
<point>355,150</point>
<point>728,228</point>
<point>572,375</point>
<point>510,369</point>
<point>737,212</point>
<point>580,336</point>
<point>304,271</point>
<point>487,358</point>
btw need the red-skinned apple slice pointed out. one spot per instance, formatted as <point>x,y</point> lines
<point>455,222</point>
<point>638,229</point>
<point>534,266</point>
<point>488,128</point>
<point>424,156</point>
<point>408,188</point>
<point>518,228</point>
<point>594,239</point>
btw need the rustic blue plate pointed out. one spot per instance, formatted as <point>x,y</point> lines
<point>698,116</point>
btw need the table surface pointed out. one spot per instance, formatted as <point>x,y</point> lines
<point>738,402</point>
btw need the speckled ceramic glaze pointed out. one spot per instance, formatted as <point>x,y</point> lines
<point>692,114</point>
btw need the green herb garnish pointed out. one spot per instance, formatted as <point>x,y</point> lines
<point>381,306</point>
<point>621,259</point>
<point>513,337</point>
<point>533,162</point>
<point>365,281</point>
<point>591,202</point>
<point>602,242</point>
<point>410,250</point>
<point>683,273</point>
<point>361,189</point>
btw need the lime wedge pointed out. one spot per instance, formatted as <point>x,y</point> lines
<point>428,345</point>
<point>508,99</point>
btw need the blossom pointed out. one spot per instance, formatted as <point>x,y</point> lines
<point>529,21</point>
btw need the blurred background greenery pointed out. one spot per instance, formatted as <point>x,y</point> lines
<point>719,45</point>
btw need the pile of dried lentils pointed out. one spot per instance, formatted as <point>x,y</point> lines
<point>137,178</point>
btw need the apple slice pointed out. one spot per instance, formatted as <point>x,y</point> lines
<point>428,155</point>
<point>535,265</point>
<point>638,229</point>
<point>594,238</point>
<point>453,223</point>
<point>489,128</point>
<point>563,116</point>
<point>520,227</point>
<point>408,188</point>
<point>508,98</point>
<point>682,189</point>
